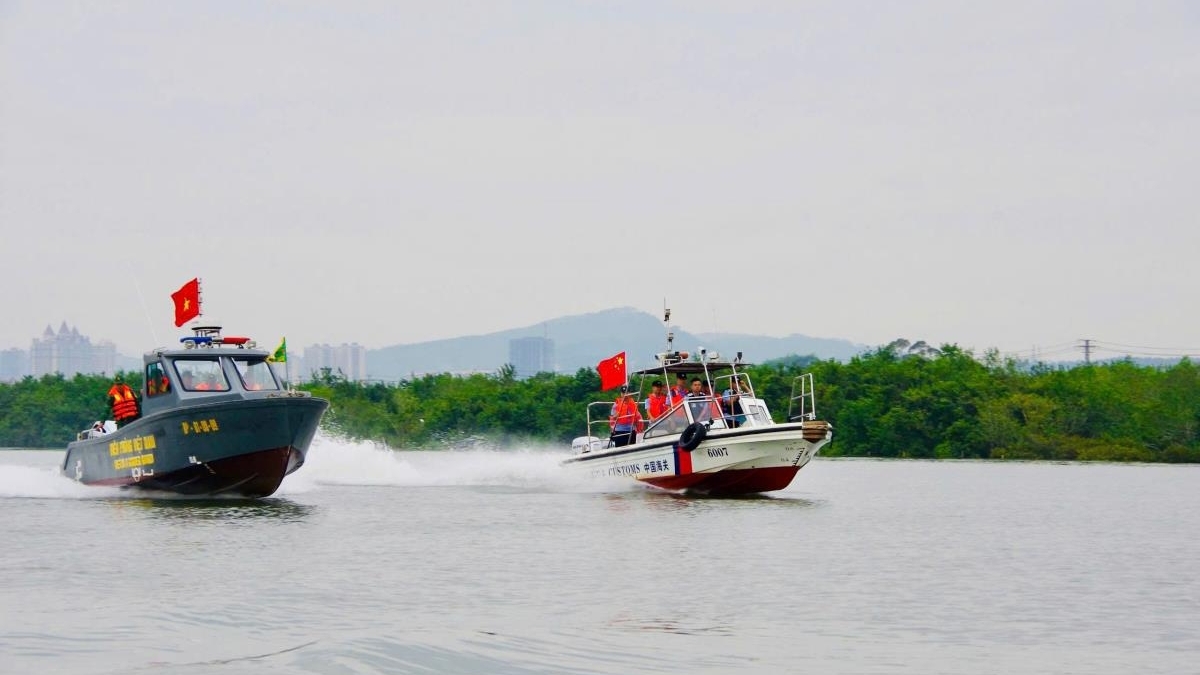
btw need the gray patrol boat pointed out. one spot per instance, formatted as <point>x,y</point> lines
<point>215,420</point>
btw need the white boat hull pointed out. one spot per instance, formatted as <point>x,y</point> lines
<point>727,462</point>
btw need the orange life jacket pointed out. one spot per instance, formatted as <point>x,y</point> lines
<point>625,413</point>
<point>657,405</point>
<point>124,404</point>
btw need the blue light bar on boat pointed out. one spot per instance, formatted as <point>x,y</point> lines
<point>196,340</point>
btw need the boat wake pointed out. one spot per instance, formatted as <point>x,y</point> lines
<point>45,482</point>
<point>338,462</point>
<point>334,461</point>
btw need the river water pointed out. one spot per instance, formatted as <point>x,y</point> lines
<point>369,561</point>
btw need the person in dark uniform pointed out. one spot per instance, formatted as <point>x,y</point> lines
<point>732,408</point>
<point>700,401</point>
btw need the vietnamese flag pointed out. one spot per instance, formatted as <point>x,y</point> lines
<point>187,302</point>
<point>612,371</point>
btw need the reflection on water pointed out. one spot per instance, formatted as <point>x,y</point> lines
<point>690,505</point>
<point>231,510</point>
<point>673,625</point>
<point>756,501</point>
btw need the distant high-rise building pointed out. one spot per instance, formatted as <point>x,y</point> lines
<point>68,352</point>
<point>530,356</point>
<point>346,360</point>
<point>104,357</point>
<point>14,364</point>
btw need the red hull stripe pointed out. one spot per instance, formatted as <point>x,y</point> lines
<point>683,461</point>
<point>730,482</point>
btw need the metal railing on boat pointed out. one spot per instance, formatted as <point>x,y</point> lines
<point>802,405</point>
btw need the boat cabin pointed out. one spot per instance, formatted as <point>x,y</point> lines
<point>206,366</point>
<point>720,396</point>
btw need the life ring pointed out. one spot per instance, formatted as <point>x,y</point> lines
<point>692,435</point>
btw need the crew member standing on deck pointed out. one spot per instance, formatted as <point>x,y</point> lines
<point>656,402</point>
<point>735,414</point>
<point>625,420</point>
<point>700,401</point>
<point>679,392</point>
<point>123,401</point>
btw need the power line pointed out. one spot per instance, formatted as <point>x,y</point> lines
<point>1091,346</point>
<point>1158,355</point>
<point>1166,349</point>
<point>1041,352</point>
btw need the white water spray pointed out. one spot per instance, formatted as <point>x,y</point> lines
<point>338,462</point>
<point>333,461</point>
<point>46,482</point>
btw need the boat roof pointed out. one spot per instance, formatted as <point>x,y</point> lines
<point>208,352</point>
<point>690,367</point>
<point>207,341</point>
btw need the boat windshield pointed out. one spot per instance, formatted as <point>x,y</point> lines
<point>256,374</point>
<point>670,424</point>
<point>201,375</point>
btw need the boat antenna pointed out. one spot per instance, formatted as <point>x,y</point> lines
<point>145,309</point>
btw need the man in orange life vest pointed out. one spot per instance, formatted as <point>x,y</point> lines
<point>123,402</point>
<point>625,420</point>
<point>656,402</point>
<point>679,392</point>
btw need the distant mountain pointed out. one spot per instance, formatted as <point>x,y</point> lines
<point>758,348</point>
<point>582,340</point>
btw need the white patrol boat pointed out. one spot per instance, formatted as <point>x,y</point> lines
<point>719,441</point>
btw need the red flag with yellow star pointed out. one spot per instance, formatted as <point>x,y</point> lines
<point>612,371</point>
<point>187,302</point>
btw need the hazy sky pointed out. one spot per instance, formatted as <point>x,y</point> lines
<point>1004,174</point>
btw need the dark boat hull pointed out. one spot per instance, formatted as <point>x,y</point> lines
<point>235,447</point>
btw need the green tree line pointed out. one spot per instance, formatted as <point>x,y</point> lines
<point>890,402</point>
<point>49,411</point>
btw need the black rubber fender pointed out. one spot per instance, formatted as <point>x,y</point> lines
<point>692,435</point>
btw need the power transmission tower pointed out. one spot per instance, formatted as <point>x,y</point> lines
<point>1087,351</point>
